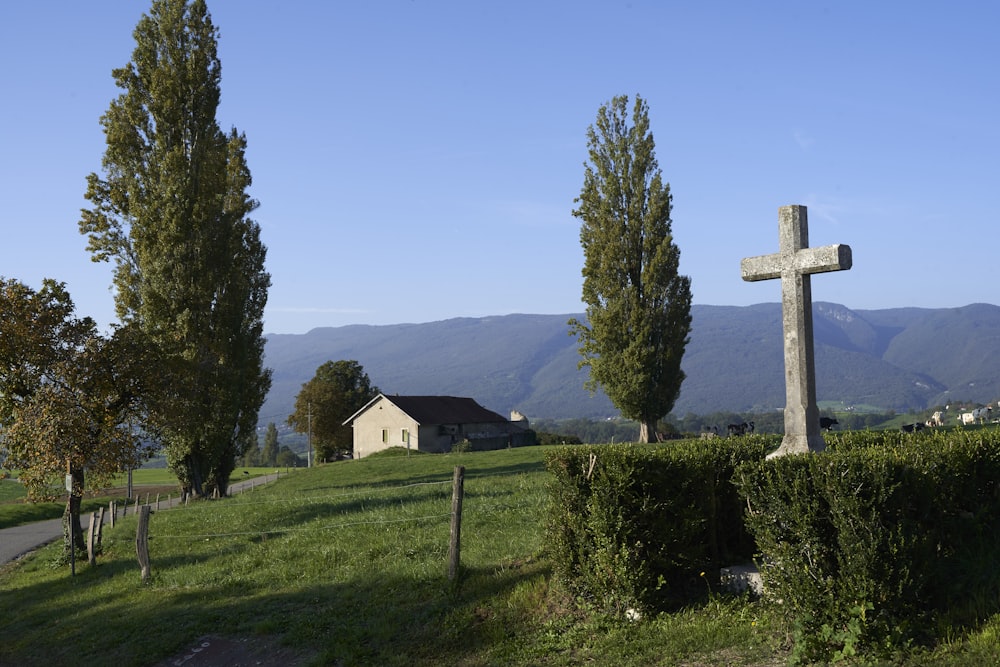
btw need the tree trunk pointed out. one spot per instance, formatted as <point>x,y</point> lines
<point>647,431</point>
<point>190,475</point>
<point>71,517</point>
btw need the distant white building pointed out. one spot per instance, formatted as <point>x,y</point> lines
<point>433,424</point>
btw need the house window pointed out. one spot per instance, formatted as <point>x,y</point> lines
<point>385,435</point>
<point>404,436</point>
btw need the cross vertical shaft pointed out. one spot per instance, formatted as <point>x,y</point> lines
<point>794,263</point>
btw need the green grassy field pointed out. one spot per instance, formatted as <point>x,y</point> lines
<point>10,491</point>
<point>15,511</point>
<point>346,565</point>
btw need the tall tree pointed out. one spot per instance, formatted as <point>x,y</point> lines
<point>68,397</point>
<point>269,455</point>
<point>337,391</point>
<point>638,305</point>
<point>171,213</point>
<point>251,457</point>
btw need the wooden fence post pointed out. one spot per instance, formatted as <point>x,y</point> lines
<point>157,502</point>
<point>142,542</point>
<point>112,509</point>
<point>92,539</point>
<point>100,527</point>
<point>455,546</point>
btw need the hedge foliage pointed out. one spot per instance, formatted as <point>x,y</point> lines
<point>883,540</point>
<point>647,527</point>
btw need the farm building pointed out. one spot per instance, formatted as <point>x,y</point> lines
<point>433,424</point>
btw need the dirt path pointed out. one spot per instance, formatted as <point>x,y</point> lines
<point>212,651</point>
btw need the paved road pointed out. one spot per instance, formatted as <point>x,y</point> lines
<point>19,540</point>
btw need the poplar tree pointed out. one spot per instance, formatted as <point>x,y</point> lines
<point>638,313</point>
<point>171,212</point>
<point>269,455</point>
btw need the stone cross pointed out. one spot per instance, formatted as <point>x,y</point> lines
<point>793,263</point>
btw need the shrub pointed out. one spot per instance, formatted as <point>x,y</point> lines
<point>640,526</point>
<point>872,543</point>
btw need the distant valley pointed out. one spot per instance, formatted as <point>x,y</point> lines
<point>901,359</point>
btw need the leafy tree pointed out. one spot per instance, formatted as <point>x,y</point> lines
<point>269,455</point>
<point>589,431</point>
<point>251,458</point>
<point>557,439</point>
<point>287,458</point>
<point>68,397</point>
<point>338,390</point>
<point>638,305</point>
<point>171,213</point>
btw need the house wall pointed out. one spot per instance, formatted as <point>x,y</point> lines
<point>440,438</point>
<point>434,441</point>
<point>383,416</point>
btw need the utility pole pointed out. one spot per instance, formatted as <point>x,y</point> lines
<point>309,437</point>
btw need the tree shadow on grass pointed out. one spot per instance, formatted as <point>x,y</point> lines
<point>380,619</point>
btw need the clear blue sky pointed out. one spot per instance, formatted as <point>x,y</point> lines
<point>417,160</point>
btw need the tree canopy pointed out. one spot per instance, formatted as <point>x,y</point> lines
<point>172,213</point>
<point>69,398</point>
<point>638,314</point>
<point>337,391</point>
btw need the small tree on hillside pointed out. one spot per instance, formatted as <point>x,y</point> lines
<point>338,390</point>
<point>638,305</point>
<point>287,458</point>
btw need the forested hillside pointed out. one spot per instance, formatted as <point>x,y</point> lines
<point>898,359</point>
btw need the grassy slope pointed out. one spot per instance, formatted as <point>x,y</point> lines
<point>347,563</point>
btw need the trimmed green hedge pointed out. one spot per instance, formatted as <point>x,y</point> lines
<point>882,540</point>
<point>647,527</point>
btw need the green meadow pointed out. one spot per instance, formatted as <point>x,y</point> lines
<point>15,511</point>
<point>346,564</point>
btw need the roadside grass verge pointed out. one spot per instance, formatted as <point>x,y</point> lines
<point>346,564</point>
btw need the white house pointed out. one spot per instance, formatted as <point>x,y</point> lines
<point>432,424</point>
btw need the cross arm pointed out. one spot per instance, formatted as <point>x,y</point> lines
<point>762,267</point>
<point>807,260</point>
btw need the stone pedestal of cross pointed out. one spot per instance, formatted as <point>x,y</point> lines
<point>794,262</point>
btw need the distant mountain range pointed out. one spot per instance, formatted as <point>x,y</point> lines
<point>901,359</point>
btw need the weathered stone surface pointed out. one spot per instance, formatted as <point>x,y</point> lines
<point>738,579</point>
<point>794,263</point>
